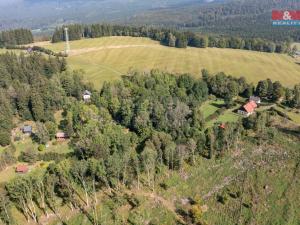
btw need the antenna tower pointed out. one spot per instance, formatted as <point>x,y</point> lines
<point>67,49</point>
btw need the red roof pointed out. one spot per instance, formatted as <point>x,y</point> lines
<point>250,106</point>
<point>223,126</point>
<point>22,169</point>
<point>61,135</point>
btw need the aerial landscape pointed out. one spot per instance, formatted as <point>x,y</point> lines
<point>162,112</point>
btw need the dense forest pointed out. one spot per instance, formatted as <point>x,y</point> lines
<point>246,19</point>
<point>130,130</point>
<point>171,37</point>
<point>15,37</point>
<point>30,88</point>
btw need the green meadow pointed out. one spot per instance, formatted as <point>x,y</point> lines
<point>106,59</point>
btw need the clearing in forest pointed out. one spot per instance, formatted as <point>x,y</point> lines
<point>107,58</point>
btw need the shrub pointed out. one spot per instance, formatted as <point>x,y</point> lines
<point>222,199</point>
<point>4,138</point>
<point>52,156</point>
<point>42,148</point>
<point>196,213</point>
<point>29,156</point>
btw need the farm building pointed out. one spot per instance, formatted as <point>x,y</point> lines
<point>86,95</point>
<point>27,129</point>
<point>61,136</point>
<point>256,99</point>
<point>22,169</point>
<point>248,109</point>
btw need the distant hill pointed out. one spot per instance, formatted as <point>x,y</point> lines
<point>251,18</point>
<point>239,17</point>
<point>50,13</point>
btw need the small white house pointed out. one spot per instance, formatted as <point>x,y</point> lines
<point>87,95</point>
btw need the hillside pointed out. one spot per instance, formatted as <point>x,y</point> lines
<point>245,18</point>
<point>106,59</point>
<point>153,148</point>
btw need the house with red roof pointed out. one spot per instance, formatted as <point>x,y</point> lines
<point>223,126</point>
<point>22,169</point>
<point>248,109</point>
<point>61,136</point>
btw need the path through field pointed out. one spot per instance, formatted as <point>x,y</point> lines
<point>95,49</point>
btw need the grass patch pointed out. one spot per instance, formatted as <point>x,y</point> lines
<point>209,108</point>
<point>109,63</point>
<point>292,114</point>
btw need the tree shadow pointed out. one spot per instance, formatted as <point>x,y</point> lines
<point>218,105</point>
<point>291,132</point>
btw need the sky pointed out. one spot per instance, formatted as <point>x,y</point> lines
<point>9,2</point>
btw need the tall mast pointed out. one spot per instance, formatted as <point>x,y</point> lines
<point>67,49</point>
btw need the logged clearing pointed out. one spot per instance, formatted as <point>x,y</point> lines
<point>107,58</point>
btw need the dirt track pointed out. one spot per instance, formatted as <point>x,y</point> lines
<point>87,50</point>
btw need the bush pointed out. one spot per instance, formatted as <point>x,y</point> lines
<point>196,213</point>
<point>29,156</point>
<point>222,199</point>
<point>42,148</point>
<point>4,138</point>
<point>52,156</point>
<point>17,138</point>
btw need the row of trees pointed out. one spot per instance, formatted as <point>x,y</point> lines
<point>15,37</point>
<point>228,87</point>
<point>169,37</point>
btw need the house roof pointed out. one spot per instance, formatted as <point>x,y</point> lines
<point>255,98</point>
<point>61,135</point>
<point>27,128</point>
<point>22,169</point>
<point>222,126</point>
<point>86,92</point>
<point>250,107</point>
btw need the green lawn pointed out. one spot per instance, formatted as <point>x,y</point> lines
<point>293,115</point>
<point>208,108</point>
<point>105,59</point>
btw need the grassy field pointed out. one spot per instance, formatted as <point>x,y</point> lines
<point>105,59</point>
<point>208,108</point>
<point>9,50</point>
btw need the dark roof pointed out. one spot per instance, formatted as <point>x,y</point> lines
<point>22,169</point>
<point>250,107</point>
<point>27,129</point>
<point>256,98</point>
<point>86,92</point>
